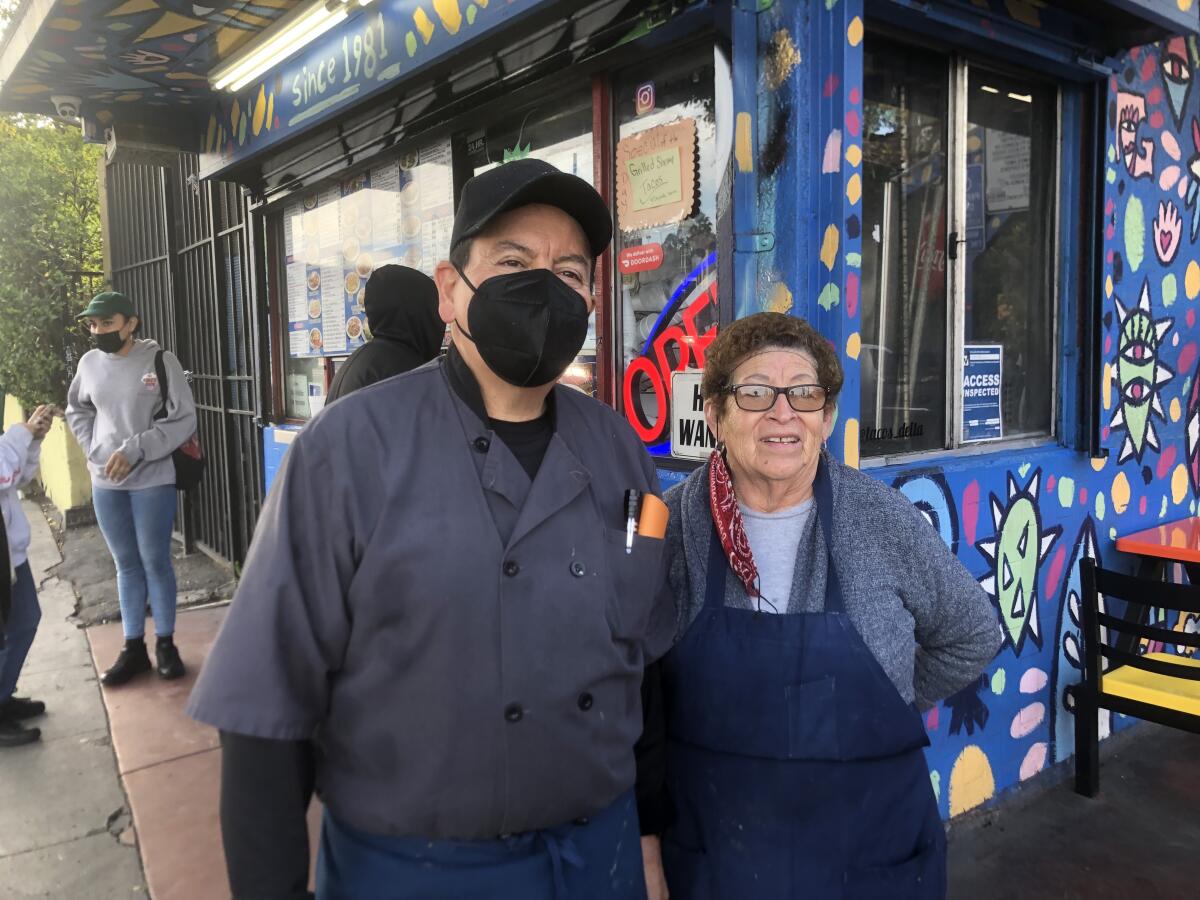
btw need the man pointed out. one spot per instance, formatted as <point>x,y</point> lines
<point>406,330</point>
<point>442,626</point>
<point>20,450</point>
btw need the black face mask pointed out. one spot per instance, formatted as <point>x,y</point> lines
<point>527,326</point>
<point>108,342</point>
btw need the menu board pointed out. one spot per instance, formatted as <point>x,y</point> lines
<point>400,212</point>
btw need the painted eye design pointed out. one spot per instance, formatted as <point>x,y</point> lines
<point>1176,68</point>
<point>1137,352</point>
<point>1130,116</point>
<point>1136,391</point>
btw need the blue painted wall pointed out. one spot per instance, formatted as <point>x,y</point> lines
<point>806,105</point>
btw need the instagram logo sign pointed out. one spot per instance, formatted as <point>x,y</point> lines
<point>644,101</point>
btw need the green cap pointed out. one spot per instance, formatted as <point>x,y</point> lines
<point>108,303</point>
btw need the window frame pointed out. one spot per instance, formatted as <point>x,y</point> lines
<point>959,65</point>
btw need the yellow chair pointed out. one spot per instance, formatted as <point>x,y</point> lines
<point>1157,687</point>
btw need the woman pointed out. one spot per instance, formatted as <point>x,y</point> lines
<point>818,612</point>
<point>116,411</point>
<point>20,613</point>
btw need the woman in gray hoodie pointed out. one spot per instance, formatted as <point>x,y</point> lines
<point>115,409</point>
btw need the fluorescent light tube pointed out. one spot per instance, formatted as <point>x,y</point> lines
<point>301,31</point>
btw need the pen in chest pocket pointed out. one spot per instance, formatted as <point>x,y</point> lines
<point>645,515</point>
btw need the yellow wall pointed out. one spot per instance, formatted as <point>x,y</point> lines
<point>63,473</point>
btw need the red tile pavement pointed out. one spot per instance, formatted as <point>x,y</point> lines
<point>170,765</point>
<point>146,715</point>
<point>175,816</point>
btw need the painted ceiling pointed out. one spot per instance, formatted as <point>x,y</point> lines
<point>117,53</point>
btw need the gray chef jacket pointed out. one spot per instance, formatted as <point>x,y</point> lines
<point>465,646</point>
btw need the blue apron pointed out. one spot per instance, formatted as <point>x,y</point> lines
<point>795,767</point>
<point>592,859</point>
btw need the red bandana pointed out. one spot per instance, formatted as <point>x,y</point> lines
<point>727,516</point>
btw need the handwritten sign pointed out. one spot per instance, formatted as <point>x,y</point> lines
<point>655,179</point>
<point>656,176</point>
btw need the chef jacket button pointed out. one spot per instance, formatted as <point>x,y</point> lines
<point>582,820</point>
<point>513,712</point>
<point>585,701</point>
<point>512,568</point>
<point>482,444</point>
<point>578,569</point>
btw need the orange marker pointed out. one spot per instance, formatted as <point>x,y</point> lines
<point>653,521</point>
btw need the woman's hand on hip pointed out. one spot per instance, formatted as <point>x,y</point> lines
<point>117,467</point>
<point>656,878</point>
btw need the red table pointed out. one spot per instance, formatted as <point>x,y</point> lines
<point>1173,541</point>
<point>1158,546</point>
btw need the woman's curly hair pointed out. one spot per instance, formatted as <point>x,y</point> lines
<point>738,341</point>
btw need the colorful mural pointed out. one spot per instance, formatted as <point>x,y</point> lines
<point>118,52</point>
<point>1020,520</point>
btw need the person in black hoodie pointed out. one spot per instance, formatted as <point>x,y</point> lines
<point>406,331</point>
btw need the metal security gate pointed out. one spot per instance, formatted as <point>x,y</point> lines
<point>217,337</point>
<point>179,250</point>
<point>139,237</point>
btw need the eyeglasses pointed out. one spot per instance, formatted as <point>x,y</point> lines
<point>761,397</point>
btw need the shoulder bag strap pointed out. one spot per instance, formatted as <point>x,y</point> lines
<point>160,369</point>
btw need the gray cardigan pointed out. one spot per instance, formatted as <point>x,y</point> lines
<point>919,611</point>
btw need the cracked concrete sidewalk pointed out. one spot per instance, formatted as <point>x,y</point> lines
<point>88,566</point>
<point>64,821</point>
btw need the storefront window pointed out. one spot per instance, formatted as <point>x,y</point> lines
<point>1009,233</point>
<point>957,253</point>
<point>400,211</point>
<point>558,132</point>
<point>905,287</point>
<point>665,248</point>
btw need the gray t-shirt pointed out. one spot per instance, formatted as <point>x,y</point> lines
<point>774,539</point>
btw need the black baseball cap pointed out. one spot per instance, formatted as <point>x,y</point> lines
<point>525,181</point>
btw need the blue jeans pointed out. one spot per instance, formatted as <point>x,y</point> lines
<point>137,528</point>
<point>19,630</point>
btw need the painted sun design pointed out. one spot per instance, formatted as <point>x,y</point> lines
<point>1140,376</point>
<point>1014,556</point>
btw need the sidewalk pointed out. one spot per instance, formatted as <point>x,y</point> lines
<point>63,821</point>
<point>171,765</point>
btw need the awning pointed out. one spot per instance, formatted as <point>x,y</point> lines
<point>139,65</point>
<point>1077,38</point>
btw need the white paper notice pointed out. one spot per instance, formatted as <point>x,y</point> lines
<point>291,230</point>
<point>1007,171</point>
<point>333,307</point>
<point>385,204</point>
<point>298,343</point>
<point>435,178</point>
<point>297,387</point>
<point>297,292</point>
<point>329,226</point>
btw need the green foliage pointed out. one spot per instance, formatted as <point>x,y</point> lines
<point>49,234</point>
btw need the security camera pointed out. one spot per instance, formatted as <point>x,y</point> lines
<point>66,107</point>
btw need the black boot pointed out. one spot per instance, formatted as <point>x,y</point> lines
<point>14,734</point>
<point>169,664</point>
<point>15,708</point>
<point>133,661</point>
